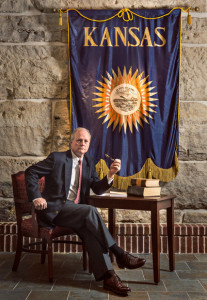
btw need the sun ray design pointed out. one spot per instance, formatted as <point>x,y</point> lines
<point>125,100</point>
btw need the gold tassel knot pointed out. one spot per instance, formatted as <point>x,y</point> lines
<point>127,12</point>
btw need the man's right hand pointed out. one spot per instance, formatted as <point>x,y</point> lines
<point>40,203</point>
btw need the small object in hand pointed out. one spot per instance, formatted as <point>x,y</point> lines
<point>109,157</point>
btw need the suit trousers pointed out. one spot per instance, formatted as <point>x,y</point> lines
<point>86,221</point>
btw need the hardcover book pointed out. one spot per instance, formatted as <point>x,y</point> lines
<point>144,191</point>
<point>145,182</point>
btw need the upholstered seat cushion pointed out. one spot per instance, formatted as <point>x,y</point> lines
<point>54,233</point>
<point>27,230</point>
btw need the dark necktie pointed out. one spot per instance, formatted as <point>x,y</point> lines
<point>79,181</point>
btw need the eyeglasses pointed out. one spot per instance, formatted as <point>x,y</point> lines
<point>80,141</point>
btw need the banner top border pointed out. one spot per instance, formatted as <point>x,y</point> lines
<point>125,12</point>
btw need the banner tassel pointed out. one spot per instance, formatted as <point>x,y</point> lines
<point>149,174</point>
<point>189,18</point>
<point>60,18</point>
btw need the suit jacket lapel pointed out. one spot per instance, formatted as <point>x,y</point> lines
<point>68,171</point>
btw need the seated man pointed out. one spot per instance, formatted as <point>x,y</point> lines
<point>63,203</point>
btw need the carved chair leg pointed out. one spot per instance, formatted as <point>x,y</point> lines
<point>86,260</point>
<point>18,252</point>
<point>85,257</point>
<point>50,261</point>
<point>44,247</point>
<point>90,268</point>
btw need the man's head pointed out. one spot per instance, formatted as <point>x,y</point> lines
<point>80,141</point>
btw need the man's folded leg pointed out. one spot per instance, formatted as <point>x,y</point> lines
<point>99,259</point>
<point>101,265</point>
<point>88,224</point>
<point>125,259</point>
<point>80,216</point>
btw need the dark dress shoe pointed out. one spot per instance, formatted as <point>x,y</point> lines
<point>114,284</point>
<point>129,261</point>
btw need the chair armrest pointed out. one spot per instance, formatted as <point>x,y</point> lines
<point>34,222</point>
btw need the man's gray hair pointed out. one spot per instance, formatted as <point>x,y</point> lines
<point>80,128</point>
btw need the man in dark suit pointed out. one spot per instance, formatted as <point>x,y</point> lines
<point>69,176</point>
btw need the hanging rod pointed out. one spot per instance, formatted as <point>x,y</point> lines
<point>196,9</point>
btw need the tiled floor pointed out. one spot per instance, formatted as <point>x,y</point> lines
<point>188,281</point>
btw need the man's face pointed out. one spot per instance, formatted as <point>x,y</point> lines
<point>80,143</point>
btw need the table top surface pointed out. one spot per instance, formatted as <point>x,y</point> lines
<point>129,202</point>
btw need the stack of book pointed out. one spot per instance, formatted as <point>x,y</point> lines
<point>144,187</point>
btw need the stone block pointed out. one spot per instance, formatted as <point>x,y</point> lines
<point>132,216</point>
<point>6,189</point>
<point>15,6</point>
<point>193,131</point>
<point>189,186</point>
<point>196,217</point>
<point>35,72</point>
<point>136,216</point>
<point>45,5</point>
<point>177,216</point>
<point>7,210</point>
<point>25,128</point>
<point>32,28</point>
<point>196,33</point>
<point>61,126</point>
<point>193,74</point>
<point>9,166</point>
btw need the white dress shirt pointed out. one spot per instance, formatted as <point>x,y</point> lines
<point>75,178</point>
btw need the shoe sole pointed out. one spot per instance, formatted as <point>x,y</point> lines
<point>131,268</point>
<point>108,288</point>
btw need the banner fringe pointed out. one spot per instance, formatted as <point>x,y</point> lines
<point>122,183</point>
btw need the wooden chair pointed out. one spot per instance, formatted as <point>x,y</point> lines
<point>28,227</point>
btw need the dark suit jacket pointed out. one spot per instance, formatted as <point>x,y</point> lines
<point>57,169</point>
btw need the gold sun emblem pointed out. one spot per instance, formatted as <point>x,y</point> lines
<point>125,99</point>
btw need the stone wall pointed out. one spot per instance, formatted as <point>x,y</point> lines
<point>34,116</point>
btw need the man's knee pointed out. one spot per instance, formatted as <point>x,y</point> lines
<point>93,212</point>
<point>93,209</point>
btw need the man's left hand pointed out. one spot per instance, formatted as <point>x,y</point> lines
<point>114,168</point>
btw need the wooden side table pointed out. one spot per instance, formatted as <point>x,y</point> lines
<point>152,204</point>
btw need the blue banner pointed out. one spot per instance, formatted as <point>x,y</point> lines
<point>124,72</point>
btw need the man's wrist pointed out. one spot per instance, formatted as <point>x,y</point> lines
<point>110,179</point>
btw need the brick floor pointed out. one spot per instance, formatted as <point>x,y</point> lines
<point>30,282</point>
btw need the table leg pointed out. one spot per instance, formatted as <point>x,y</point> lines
<point>170,229</point>
<point>155,227</point>
<point>111,221</point>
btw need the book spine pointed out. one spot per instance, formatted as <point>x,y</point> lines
<point>137,192</point>
<point>138,182</point>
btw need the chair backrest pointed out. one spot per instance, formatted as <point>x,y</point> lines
<point>19,187</point>
<point>22,205</point>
